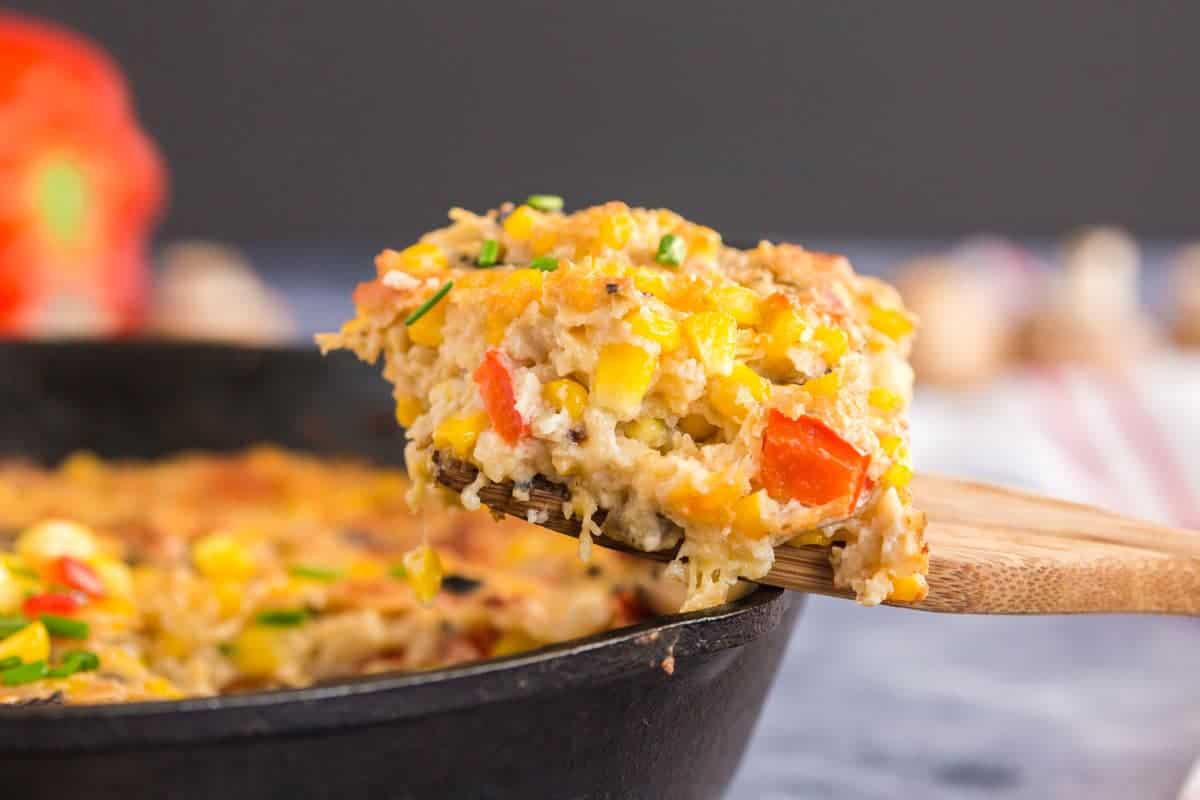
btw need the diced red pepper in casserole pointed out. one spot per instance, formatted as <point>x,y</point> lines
<point>50,603</point>
<point>804,460</point>
<point>75,574</point>
<point>496,388</point>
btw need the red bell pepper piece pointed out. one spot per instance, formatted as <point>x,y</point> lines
<point>75,574</point>
<point>803,459</point>
<point>51,603</point>
<point>496,388</point>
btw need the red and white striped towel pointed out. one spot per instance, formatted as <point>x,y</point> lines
<point>1128,442</point>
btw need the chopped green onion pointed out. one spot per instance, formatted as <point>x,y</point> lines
<point>10,625</point>
<point>489,253</point>
<point>398,571</point>
<point>65,626</point>
<point>314,573</point>
<point>545,264</point>
<point>75,661</point>
<point>424,308</point>
<point>25,673</point>
<point>24,572</point>
<point>671,250</point>
<point>282,618</point>
<point>9,663</point>
<point>545,202</point>
<point>227,649</point>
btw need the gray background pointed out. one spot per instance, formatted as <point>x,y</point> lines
<point>362,121</point>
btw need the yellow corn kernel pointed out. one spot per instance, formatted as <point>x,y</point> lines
<point>704,242</point>
<point>422,258</point>
<point>31,643</point>
<point>172,645</point>
<point>735,394</point>
<point>834,343</point>
<point>366,569</point>
<point>219,555</point>
<point>566,395</point>
<point>622,378</point>
<point>520,223</point>
<point>81,465</point>
<point>890,443</point>
<point>784,331</point>
<point>704,505</point>
<point>543,241</point>
<point>656,282</point>
<point>743,304</point>
<point>885,399</point>
<point>228,593</point>
<point>647,430</point>
<point>162,688</point>
<point>826,385</point>
<point>427,330</point>
<point>115,574</point>
<point>810,537</point>
<point>459,432</point>
<point>656,328</point>
<point>424,572</point>
<point>697,427</point>
<point>616,229</point>
<point>258,651</point>
<point>713,337</point>
<point>11,591</point>
<point>748,516</point>
<point>513,642</point>
<point>48,540</point>
<point>898,476</point>
<point>113,606</point>
<point>908,589</point>
<point>891,322</point>
<point>408,408</point>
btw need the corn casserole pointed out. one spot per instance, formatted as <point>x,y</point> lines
<point>687,393</point>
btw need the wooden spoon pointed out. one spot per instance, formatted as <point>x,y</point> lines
<point>992,550</point>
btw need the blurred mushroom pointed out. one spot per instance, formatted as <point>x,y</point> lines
<point>965,337</point>
<point>1091,313</point>
<point>209,291</point>
<point>1184,299</point>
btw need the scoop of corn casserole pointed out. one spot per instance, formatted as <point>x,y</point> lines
<point>724,400</point>
<point>206,574</point>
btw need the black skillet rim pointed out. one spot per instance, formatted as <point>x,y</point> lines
<point>379,699</point>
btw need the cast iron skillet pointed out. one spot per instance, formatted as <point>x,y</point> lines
<point>596,718</point>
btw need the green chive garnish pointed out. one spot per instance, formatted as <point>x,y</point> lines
<point>25,673</point>
<point>24,572</point>
<point>314,573</point>
<point>10,662</point>
<point>423,309</point>
<point>398,571</point>
<point>545,264</point>
<point>282,618</point>
<point>671,250</point>
<point>75,661</point>
<point>10,625</point>
<point>545,202</point>
<point>489,253</point>
<point>65,626</point>
<point>227,649</point>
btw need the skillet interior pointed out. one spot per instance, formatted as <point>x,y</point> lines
<point>601,714</point>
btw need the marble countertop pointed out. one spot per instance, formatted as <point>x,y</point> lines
<point>885,703</point>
